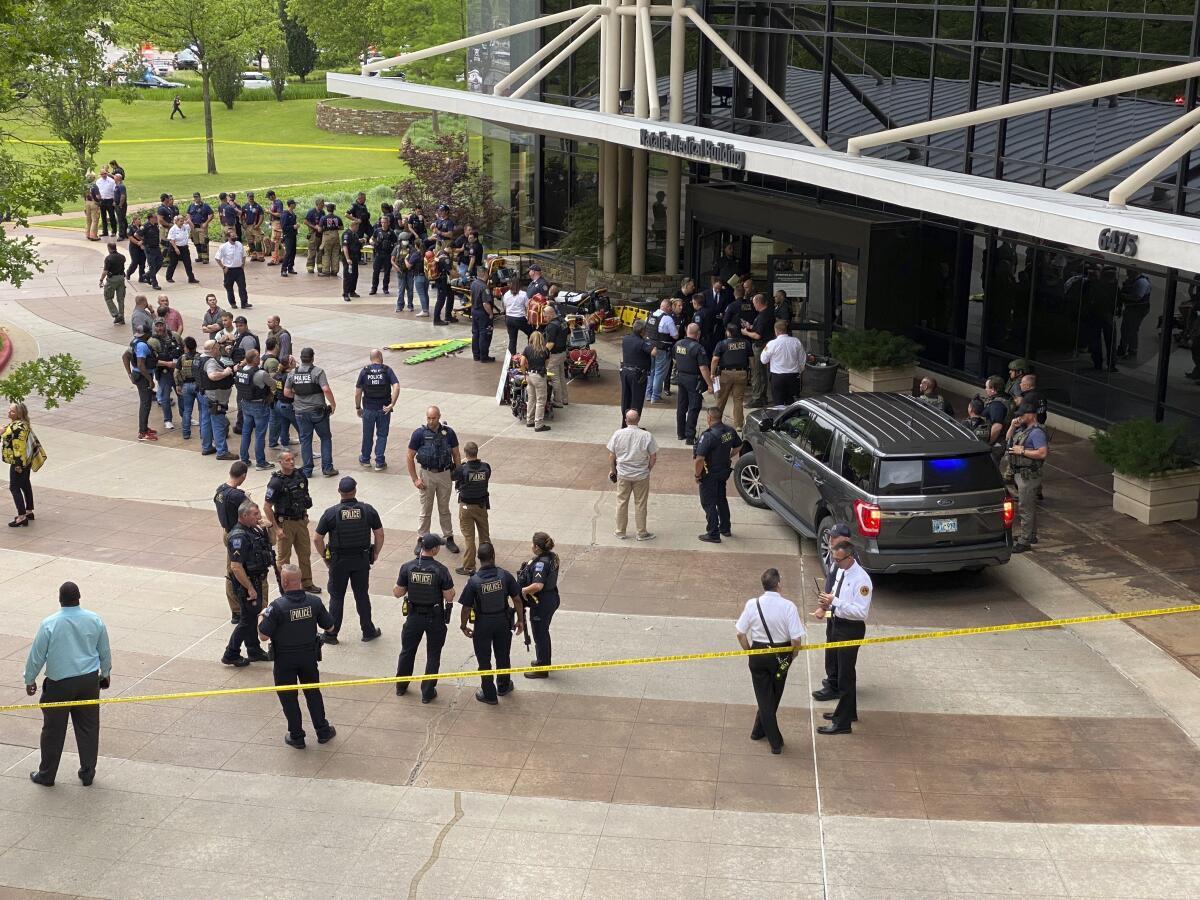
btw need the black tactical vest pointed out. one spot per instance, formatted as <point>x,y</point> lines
<point>304,381</point>
<point>260,556</point>
<point>473,488</point>
<point>293,499</point>
<point>735,354</point>
<point>246,388</point>
<point>351,533</point>
<point>492,599</point>
<point>423,578</point>
<point>434,452</point>
<point>377,386</point>
<point>296,617</point>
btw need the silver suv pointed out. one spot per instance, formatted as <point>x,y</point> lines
<point>919,491</point>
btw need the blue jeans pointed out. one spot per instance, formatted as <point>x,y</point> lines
<point>206,428</point>
<point>421,283</point>
<point>405,289</point>
<point>655,383</point>
<point>283,420</point>
<point>218,427</point>
<point>255,419</point>
<point>376,425</point>
<point>306,424</point>
<point>186,401</point>
<point>166,390</point>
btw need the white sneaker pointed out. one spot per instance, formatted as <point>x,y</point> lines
<point>170,426</point>
<point>648,536</point>
<point>421,315</point>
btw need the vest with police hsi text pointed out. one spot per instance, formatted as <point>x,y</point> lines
<point>305,382</point>
<point>257,555</point>
<point>247,388</point>
<point>490,591</point>
<point>434,453</point>
<point>376,384</point>
<point>423,582</point>
<point>473,483</point>
<point>350,532</point>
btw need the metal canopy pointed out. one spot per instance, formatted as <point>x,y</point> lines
<point>1164,239</point>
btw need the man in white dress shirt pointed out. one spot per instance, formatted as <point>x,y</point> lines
<point>180,237</point>
<point>770,621</point>
<point>785,357</point>
<point>849,602</point>
<point>231,257</point>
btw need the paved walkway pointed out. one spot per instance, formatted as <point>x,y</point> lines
<point>1033,764</point>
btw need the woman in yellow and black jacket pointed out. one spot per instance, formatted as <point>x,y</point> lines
<point>21,450</point>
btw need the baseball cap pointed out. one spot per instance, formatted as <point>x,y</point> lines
<point>429,541</point>
<point>839,530</point>
<point>291,203</point>
<point>240,320</point>
<point>1020,364</point>
<point>1026,408</point>
<point>443,206</point>
<point>346,485</point>
<point>535,268</point>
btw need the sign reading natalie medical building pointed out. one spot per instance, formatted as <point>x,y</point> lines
<point>703,150</point>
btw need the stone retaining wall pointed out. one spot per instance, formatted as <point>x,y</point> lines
<point>386,122</point>
<point>620,286</point>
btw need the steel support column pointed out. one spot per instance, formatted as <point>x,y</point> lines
<point>674,163</point>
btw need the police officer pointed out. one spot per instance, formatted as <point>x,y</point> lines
<point>355,542</point>
<point>434,447</point>
<point>692,378</point>
<point>537,284</point>
<point>849,603</point>
<point>288,226</point>
<point>250,559</point>
<point>715,454</point>
<point>351,256</point>
<point>359,210</point>
<point>312,222</point>
<point>331,232</point>
<point>539,591</point>
<point>471,478</point>
<point>288,503</point>
<point>201,215</point>
<point>637,359</point>
<point>705,317</point>
<point>227,498</point>
<point>1016,368</point>
<point>976,422</point>
<point>375,397</point>
<point>427,588</point>
<point>252,220</point>
<point>731,362</point>
<point>383,242</point>
<point>290,622</point>
<point>485,607</point>
<point>254,387</point>
<point>998,406</point>
<point>152,248</point>
<point>482,314</point>
<point>1027,450</point>
<point>275,221</point>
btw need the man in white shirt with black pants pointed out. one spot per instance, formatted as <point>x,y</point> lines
<point>231,257</point>
<point>770,620</point>
<point>786,357</point>
<point>849,602</point>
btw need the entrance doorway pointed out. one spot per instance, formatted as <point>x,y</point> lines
<point>821,292</point>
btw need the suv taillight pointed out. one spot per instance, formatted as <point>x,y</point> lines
<point>1010,511</point>
<point>868,517</point>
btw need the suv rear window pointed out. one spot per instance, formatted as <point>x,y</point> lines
<point>949,475</point>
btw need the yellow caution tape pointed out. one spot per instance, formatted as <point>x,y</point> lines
<point>612,663</point>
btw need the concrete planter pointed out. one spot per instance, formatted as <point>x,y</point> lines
<point>1169,497</point>
<point>897,379</point>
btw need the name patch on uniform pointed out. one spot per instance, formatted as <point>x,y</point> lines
<point>351,513</point>
<point>420,577</point>
<point>300,613</point>
<point>477,476</point>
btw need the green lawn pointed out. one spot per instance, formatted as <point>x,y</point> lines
<point>263,160</point>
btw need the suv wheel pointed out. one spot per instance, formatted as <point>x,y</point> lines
<point>748,479</point>
<point>823,551</point>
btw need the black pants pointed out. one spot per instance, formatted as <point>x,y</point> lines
<point>768,691</point>
<point>846,659</point>
<point>1131,323</point>
<point>633,391</point>
<point>122,222</point>
<point>289,253</point>
<point>180,255</point>
<point>515,327</point>
<point>687,405</point>
<point>831,670</point>
<point>356,573</point>
<point>145,401</point>
<point>153,264</point>
<point>349,276</point>
<point>108,217</point>
<point>481,334</point>
<point>235,275</point>
<point>21,488</point>
<point>784,387</point>
<point>176,109</point>
<point>430,625</point>
<point>1099,334</point>
<point>84,719</point>
<point>445,301</point>
<point>715,504</point>
<point>381,267</point>
<point>245,632</point>
<point>293,667</point>
<point>540,615</point>
<point>493,634</point>
<point>137,262</point>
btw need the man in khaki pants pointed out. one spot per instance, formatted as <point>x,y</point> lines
<point>471,479</point>
<point>730,361</point>
<point>287,506</point>
<point>632,453</point>
<point>434,448</point>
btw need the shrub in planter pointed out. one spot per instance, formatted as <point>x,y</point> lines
<point>1155,473</point>
<point>872,349</point>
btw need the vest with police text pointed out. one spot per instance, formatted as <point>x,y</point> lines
<point>735,354</point>
<point>305,382</point>
<point>295,615</point>
<point>423,587</point>
<point>489,585</point>
<point>376,384</point>
<point>247,389</point>
<point>473,488</point>
<point>350,533</point>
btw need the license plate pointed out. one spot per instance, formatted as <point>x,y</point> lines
<point>945,526</point>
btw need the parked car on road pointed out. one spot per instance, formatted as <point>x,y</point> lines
<point>255,80</point>
<point>187,59</point>
<point>919,491</point>
<point>150,80</point>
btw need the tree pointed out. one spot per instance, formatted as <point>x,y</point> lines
<point>67,98</point>
<point>442,173</point>
<point>226,75</point>
<point>301,51</point>
<point>278,54</point>
<point>345,35</point>
<point>55,379</point>
<point>215,28</point>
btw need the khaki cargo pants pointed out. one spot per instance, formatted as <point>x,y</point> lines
<point>313,251</point>
<point>472,517</point>
<point>254,241</point>
<point>294,533</point>
<point>437,487</point>
<point>733,384</point>
<point>1027,483</point>
<point>331,260</point>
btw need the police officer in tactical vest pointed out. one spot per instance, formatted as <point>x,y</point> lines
<point>427,588</point>
<point>227,498</point>
<point>288,503</point>
<point>472,478</point>
<point>691,375</point>
<point>250,559</point>
<point>375,397</point>
<point>254,388</point>
<point>383,242</point>
<point>976,422</point>
<point>539,591</point>
<point>483,312</point>
<point>290,622</point>
<point>715,454</point>
<point>731,362</point>
<point>1028,447</point>
<point>490,622</point>
<point>434,448</point>
<point>355,542</point>
<point>637,359</point>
